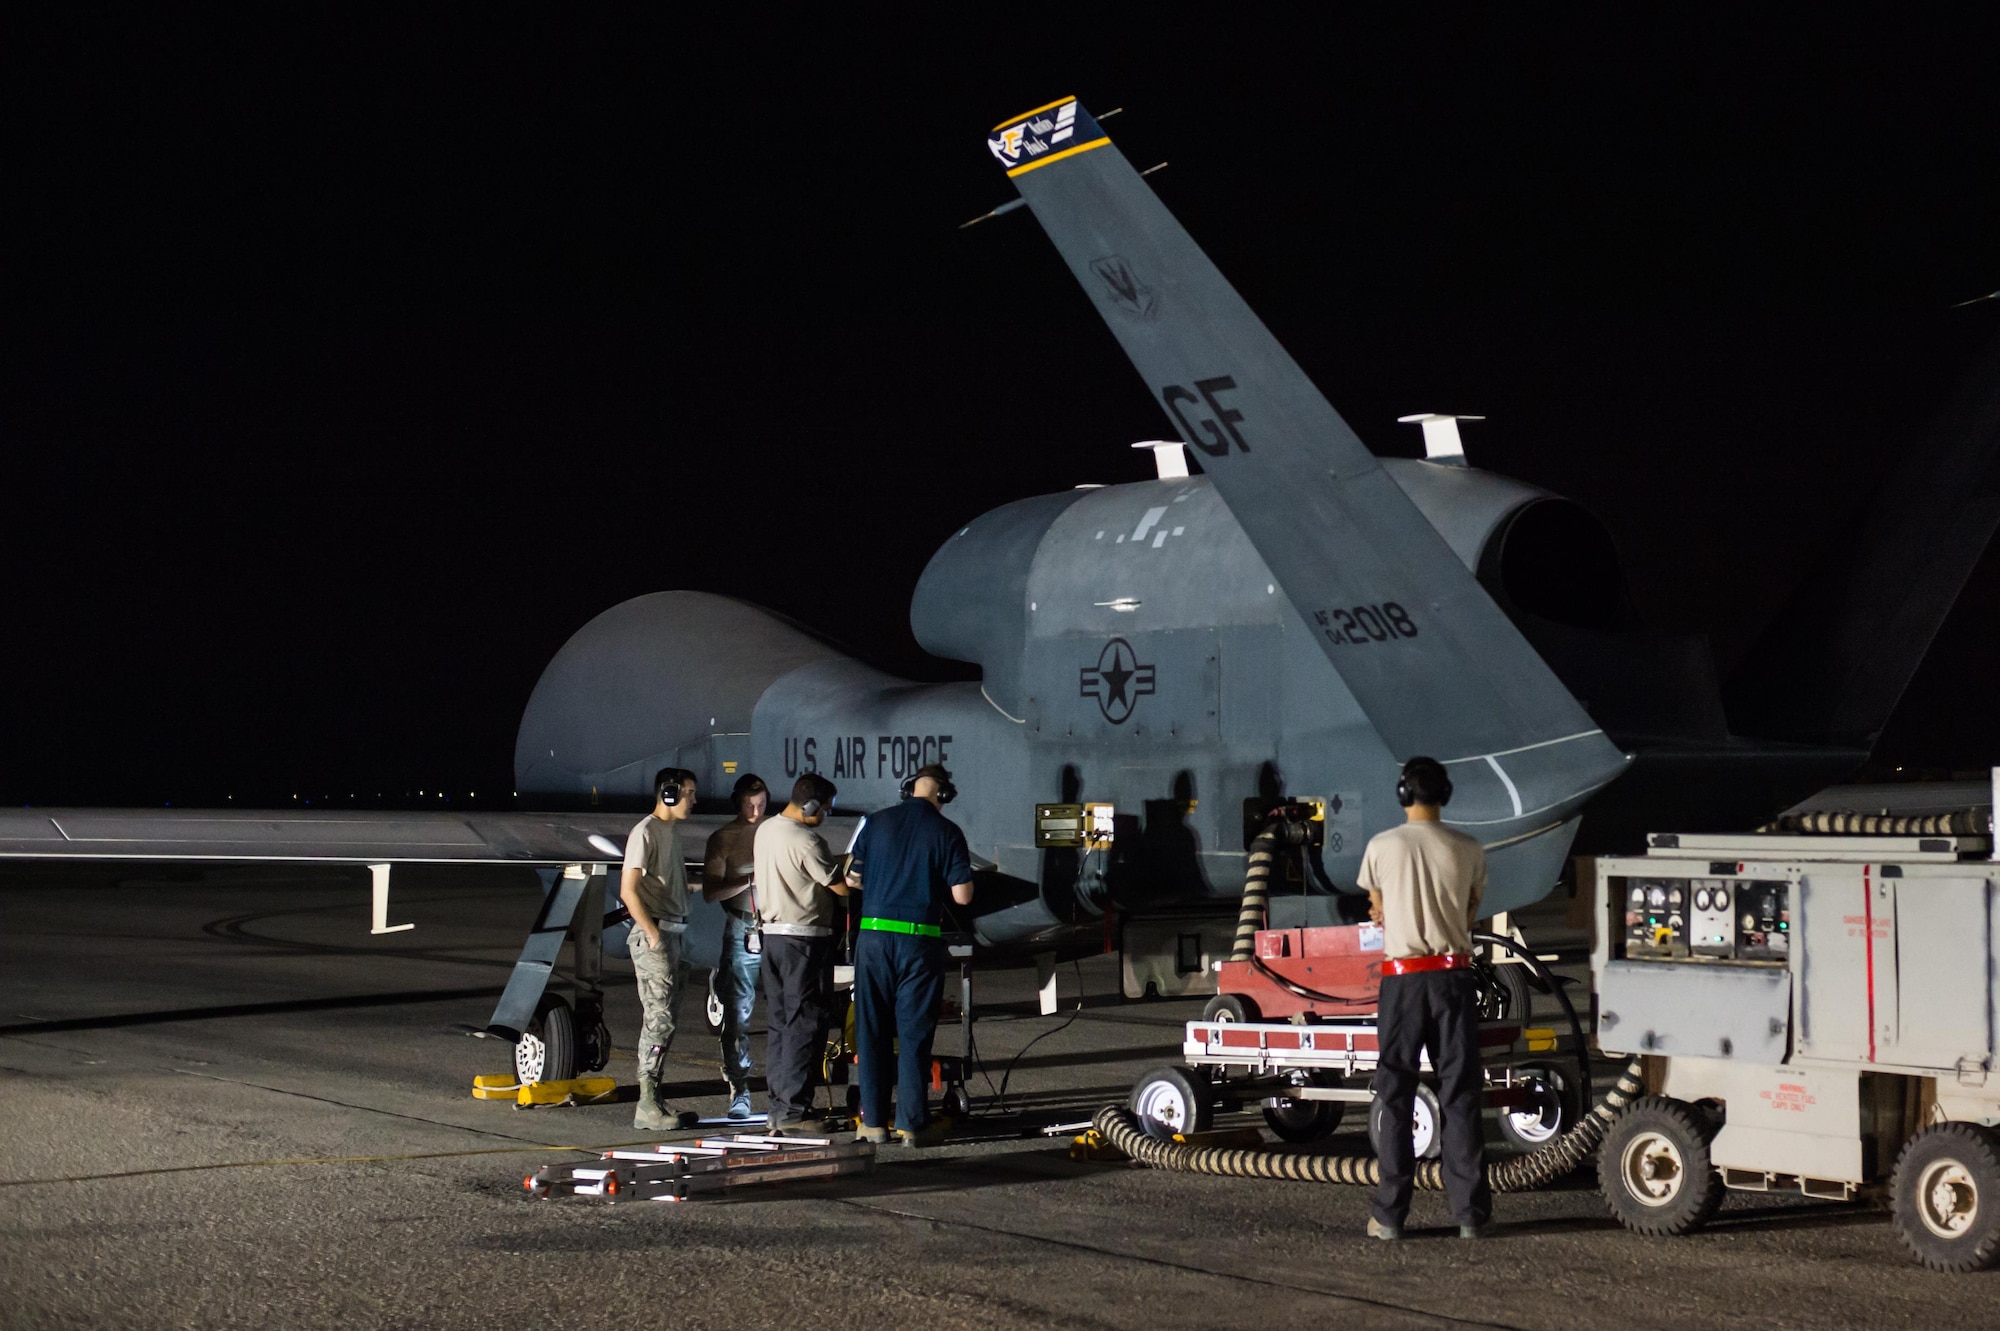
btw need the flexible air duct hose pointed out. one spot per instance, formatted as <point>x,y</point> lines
<point>1518,1174</point>
<point>1256,890</point>
<point>1842,822</point>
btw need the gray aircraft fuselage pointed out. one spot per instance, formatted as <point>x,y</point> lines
<point>1135,650</point>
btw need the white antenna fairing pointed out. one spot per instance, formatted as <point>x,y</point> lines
<point>1169,458</point>
<point>1441,441</point>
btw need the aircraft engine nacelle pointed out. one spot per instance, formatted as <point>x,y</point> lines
<point>1170,553</point>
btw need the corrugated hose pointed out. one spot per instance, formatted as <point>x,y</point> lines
<point>1522,1173</point>
<point>1120,1127</point>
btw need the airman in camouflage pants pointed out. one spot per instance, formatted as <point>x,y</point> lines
<point>662,975</point>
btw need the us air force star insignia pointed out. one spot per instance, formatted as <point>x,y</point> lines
<point>1127,292</point>
<point>1117,681</point>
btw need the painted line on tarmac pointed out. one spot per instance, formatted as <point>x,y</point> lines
<point>1361,1299</point>
<point>44,1025</point>
<point>319,1160</point>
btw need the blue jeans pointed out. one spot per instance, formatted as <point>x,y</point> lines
<point>736,985</point>
<point>898,981</point>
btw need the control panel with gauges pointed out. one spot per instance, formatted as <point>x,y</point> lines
<point>1746,921</point>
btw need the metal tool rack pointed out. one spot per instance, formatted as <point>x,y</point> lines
<point>676,1171</point>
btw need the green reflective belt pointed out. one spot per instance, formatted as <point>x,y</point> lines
<point>901,927</point>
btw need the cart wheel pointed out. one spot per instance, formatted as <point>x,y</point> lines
<point>1231,1007</point>
<point>546,1051</point>
<point>1425,1118</point>
<point>1172,1100</point>
<point>1654,1168</point>
<point>957,1103</point>
<point>1304,1121</point>
<point>1554,1111</point>
<point>1947,1196</point>
<point>1503,992</point>
<point>712,1008</point>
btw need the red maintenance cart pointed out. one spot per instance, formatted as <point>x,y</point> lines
<point>1307,1068</point>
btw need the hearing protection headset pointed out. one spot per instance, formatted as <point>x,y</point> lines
<point>820,802</point>
<point>667,786</point>
<point>946,791</point>
<point>1431,774</point>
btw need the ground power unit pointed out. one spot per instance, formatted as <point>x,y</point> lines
<point>1816,1013</point>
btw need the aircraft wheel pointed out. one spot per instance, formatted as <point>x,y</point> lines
<point>1173,1100</point>
<point>1231,1007</point>
<point>1426,1117</point>
<point>1947,1196</point>
<point>1654,1168</point>
<point>546,1051</point>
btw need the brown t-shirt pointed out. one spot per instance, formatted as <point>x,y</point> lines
<point>1430,877</point>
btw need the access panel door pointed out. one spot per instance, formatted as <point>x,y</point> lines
<point>1838,939</point>
<point>1943,1010</point>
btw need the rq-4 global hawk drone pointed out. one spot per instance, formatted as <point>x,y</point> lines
<point>1170,660</point>
<point>1290,624</point>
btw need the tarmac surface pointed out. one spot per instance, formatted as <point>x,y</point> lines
<point>191,1062</point>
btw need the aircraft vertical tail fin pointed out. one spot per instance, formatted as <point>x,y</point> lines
<point>1433,662</point>
<point>1833,663</point>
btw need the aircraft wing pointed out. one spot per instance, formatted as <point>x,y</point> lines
<point>330,836</point>
<point>1433,662</point>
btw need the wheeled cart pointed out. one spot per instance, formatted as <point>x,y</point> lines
<point>1816,1014</point>
<point>1305,1076</point>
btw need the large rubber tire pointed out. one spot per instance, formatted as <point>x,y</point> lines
<point>1946,1193</point>
<point>1558,1107</point>
<point>1426,1122</point>
<point>1503,991</point>
<point>1231,1007</point>
<point>1173,1100</point>
<point>1654,1168</point>
<point>546,1051</point>
<point>1303,1121</point>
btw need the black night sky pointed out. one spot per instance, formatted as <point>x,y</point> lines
<point>356,361</point>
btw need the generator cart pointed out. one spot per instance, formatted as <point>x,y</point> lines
<point>1816,1013</point>
<point>1293,1028</point>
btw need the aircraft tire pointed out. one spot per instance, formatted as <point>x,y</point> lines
<point>546,1051</point>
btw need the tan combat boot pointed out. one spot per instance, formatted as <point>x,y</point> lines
<point>652,1116</point>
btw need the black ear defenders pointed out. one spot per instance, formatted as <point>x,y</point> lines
<point>671,783</point>
<point>946,791</point>
<point>1406,796</point>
